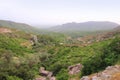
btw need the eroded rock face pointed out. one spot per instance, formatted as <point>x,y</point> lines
<point>5,30</point>
<point>75,69</point>
<point>110,73</point>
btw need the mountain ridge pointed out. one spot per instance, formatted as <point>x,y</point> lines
<point>85,26</point>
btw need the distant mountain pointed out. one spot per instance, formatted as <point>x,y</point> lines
<point>19,26</point>
<point>4,25</point>
<point>117,28</point>
<point>86,26</point>
<point>23,27</point>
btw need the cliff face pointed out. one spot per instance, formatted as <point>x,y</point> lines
<point>110,73</point>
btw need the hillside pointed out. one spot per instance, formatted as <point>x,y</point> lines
<point>18,26</point>
<point>21,53</point>
<point>5,30</point>
<point>117,28</point>
<point>105,51</point>
<point>86,26</point>
<point>110,73</point>
<point>26,56</point>
<point>27,28</point>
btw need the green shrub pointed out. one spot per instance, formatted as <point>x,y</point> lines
<point>63,75</point>
<point>13,78</point>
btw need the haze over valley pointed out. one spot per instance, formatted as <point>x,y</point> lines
<point>59,40</point>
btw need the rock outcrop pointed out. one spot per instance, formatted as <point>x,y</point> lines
<point>110,73</point>
<point>34,39</point>
<point>75,69</point>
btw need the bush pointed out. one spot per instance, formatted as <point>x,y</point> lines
<point>112,52</point>
<point>13,78</point>
<point>63,75</point>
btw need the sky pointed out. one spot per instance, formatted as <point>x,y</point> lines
<point>53,12</point>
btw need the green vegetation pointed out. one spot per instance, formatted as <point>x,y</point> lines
<point>12,66</point>
<point>93,58</point>
<point>20,61</point>
<point>76,34</point>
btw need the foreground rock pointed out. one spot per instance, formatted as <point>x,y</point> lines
<point>41,78</point>
<point>75,69</point>
<point>110,73</point>
<point>45,75</point>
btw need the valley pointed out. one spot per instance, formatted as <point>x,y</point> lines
<point>27,53</point>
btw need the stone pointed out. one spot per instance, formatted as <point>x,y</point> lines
<point>47,74</point>
<point>52,78</point>
<point>85,78</point>
<point>41,78</point>
<point>34,39</point>
<point>75,69</point>
<point>110,73</point>
<point>95,78</point>
<point>43,72</point>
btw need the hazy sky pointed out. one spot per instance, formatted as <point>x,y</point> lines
<point>45,12</point>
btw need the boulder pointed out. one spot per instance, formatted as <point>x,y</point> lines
<point>95,78</point>
<point>41,78</point>
<point>44,72</point>
<point>47,74</point>
<point>34,39</point>
<point>75,69</point>
<point>110,73</point>
<point>52,78</point>
<point>85,78</point>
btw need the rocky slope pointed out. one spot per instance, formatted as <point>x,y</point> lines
<point>89,39</point>
<point>110,73</point>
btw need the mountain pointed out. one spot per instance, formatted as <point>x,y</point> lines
<point>86,26</point>
<point>117,28</point>
<point>15,25</point>
<point>23,27</point>
<point>48,56</point>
